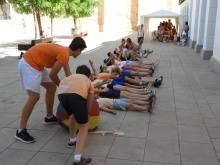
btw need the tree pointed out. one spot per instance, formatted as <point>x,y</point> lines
<point>31,6</point>
<point>27,7</point>
<point>80,9</point>
<point>53,9</point>
<point>2,2</point>
<point>3,8</point>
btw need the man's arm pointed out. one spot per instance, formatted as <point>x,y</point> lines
<point>54,73</point>
<point>89,101</point>
<point>93,68</point>
<point>99,84</point>
<point>101,90</point>
<point>108,110</point>
<point>67,70</point>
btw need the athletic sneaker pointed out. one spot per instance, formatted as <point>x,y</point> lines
<point>151,71</point>
<point>145,55</point>
<point>155,62</point>
<point>71,144</point>
<point>148,87</point>
<point>154,66</point>
<point>150,108</point>
<point>144,83</point>
<point>153,90</point>
<point>158,81</point>
<point>151,96</point>
<point>53,120</point>
<point>83,161</point>
<point>24,136</point>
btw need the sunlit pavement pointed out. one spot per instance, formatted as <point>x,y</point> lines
<point>183,128</point>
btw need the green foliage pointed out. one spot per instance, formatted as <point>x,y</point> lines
<point>81,8</point>
<point>53,8</point>
<point>2,2</point>
<point>25,6</point>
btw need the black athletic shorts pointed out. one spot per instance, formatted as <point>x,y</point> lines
<point>76,105</point>
<point>111,94</point>
<point>140,39</point>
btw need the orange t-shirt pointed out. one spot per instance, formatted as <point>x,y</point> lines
<point>170,32</point>
<point>103,76</point>
<point>45,55</point>
<point>105,102</point>
<point>76,83</point>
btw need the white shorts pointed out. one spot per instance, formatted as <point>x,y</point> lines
<point>32,78</point>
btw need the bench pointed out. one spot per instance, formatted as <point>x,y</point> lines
<point>25,47</point>
<point>81,34</point>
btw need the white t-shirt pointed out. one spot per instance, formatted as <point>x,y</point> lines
<point>141,33</point>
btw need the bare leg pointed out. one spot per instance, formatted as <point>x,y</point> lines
<point>133,86</point>
<point>139,102</point>
<point>129,89</point>
<point>33,97</point>
<point>72,126</point>
<point>135,73</point>
<point>136,107</point>
<point>141,69</point>
<point>81,138</point>
<point>49,98</point>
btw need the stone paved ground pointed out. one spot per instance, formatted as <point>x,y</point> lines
<point>183,129</point>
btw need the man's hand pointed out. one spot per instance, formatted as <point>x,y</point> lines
<point>91,62</point>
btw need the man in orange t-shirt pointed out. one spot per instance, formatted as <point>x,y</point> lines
<point>33,74</point>
<point>75,94</point>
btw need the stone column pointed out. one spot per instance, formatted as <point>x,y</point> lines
<point>209,31</point>
<point>194,23</point>
<point>190,15</point>
<point>201,25</point>
<point>215,59</point>
<point>101,15</point>
<point>134,14</point>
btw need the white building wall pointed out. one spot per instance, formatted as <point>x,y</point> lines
<point>201,22</point>
<point>216,48</point>
<point>210,24</point>
<point>194,21</point>
<point>215,59</point>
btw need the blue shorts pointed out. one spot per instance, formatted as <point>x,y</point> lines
<point>128,63</point>
<point>120,81</point>
<point>120,104</point>
<point>126,72</point>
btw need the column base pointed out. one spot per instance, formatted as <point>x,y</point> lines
<point>206,54</point>
<point>192,44</point>
<point>215,65</point>
<point>198,48</point>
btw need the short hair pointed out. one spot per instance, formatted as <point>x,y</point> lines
<point>77,43</point>
<point>108,54</point>
<point>186,23</point>
<point>122,39</point>
<point>129,40</point>
<point>83,69</point>
<point>101,69</point>
<point>127,46</point>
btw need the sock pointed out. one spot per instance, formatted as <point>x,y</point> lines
<point>77,157</point>
<point>49,117</point>
<point>19,130</point>
<point>72,139</point>
<point>141,83</point>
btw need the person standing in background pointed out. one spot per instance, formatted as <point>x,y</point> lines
<point>24,25</point>
<point>140,35</point>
